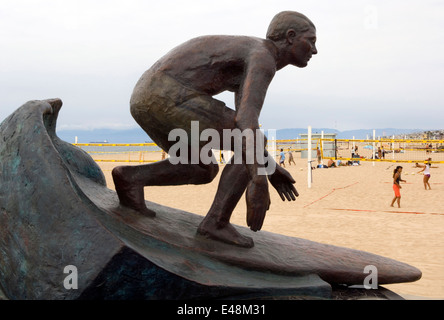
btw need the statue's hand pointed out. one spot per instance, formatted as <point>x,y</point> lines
<point>283,182</point>
<point>258,202</point>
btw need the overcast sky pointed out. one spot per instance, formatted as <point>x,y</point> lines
<point>380,64</point>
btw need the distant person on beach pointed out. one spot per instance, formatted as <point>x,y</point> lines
<point>426,170</point>
<point>179,89</point>
<point>429,148</point>
<point>282,158</point>
<point>290,158</point>
<point>396,186</point>
<point>319,156</point>
<point>331,163</point>
<point>417,165</point>
<point>344,164</point>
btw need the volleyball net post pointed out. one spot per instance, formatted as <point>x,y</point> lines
<point>309,149</point>
<point>374,147</point>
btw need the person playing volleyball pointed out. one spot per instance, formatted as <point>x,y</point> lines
<point>396,186</point>
<point>426,171</point>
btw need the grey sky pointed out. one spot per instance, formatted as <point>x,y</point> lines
<point>380,63</point>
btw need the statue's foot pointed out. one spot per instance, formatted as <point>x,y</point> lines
<point>130,195</point>
<point>227,234</point>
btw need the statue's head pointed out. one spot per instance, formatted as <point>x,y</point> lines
<point>296,33</point>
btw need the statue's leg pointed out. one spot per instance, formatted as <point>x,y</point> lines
<point>130,180</point>
<point>216,225</point>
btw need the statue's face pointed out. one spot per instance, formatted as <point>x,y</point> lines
<point>303,48</point>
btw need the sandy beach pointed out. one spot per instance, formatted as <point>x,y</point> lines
<point>348,207</point>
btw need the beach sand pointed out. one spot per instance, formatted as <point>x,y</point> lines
<point>348,207</point>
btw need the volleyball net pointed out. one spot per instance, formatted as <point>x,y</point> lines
<point>348,150</point>
<point>123,152</point>
<point>388,150</point>
<point>135,152</point>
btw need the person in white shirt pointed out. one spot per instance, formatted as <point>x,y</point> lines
<point>426,171</point>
